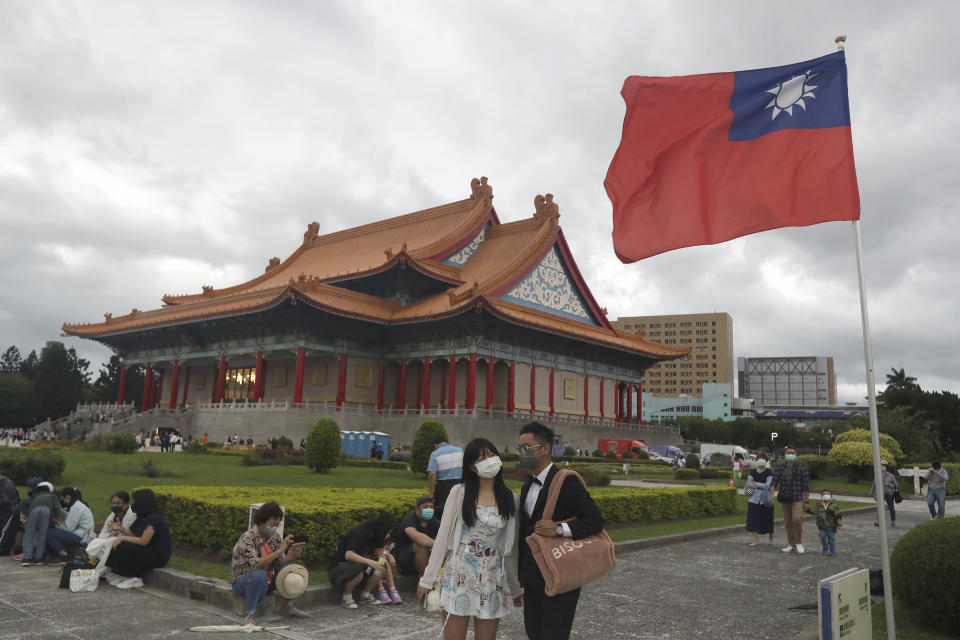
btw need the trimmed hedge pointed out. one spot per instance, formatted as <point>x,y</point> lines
<point>323,445</point>
<point>212,518</point>
<point>686,474</point>
<point>925,572</point>
<point>626,504</point>
<point>377,464</point>
<point>594,475</point>
<point>22,464</point>
<point>267,455</point>
<point>816,465</point>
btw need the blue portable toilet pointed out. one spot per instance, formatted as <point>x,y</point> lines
<point>382,439</point>
<point>348,442</point>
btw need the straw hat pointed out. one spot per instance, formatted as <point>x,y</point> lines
<point>292,581</point>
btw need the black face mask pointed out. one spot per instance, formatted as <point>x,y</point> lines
<point>116,509</point>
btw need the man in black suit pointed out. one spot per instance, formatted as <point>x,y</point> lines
<point>548,617</point>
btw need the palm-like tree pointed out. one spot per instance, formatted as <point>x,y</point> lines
<point>900,380</point>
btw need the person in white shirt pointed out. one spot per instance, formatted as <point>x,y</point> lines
<point>121,516</point>
<point>72,529</point>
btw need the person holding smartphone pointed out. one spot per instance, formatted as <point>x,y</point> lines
<point>121,516</point>
<point>258,556</point>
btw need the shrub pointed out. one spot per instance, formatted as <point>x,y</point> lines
<point>686,474</point>
<point>597,453</point>
<point>195,446</point>
<point>856,457</point>
<point>816,465</point>
<point>150,468</point>
<point>569,451</point>
<point>627,504</point>
<point>593,474</point>
<point>889,447</point>
<point>122,443</point>
<point>372,463</point>
<point>693,461</point>
<point>925,571</point>
<point>709,473</point>
<point>643,455</point>
<point>284,441</point>
<point>267,455</point>
<point>423,444</point>
<point>323,445</point>
<point>610,455</point>
<point>21,464</point>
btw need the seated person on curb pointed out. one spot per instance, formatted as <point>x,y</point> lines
<point>415,537</point>
<point>121,516</point>
<point>73,529</point>
<point>362,561</point>
<point>258,556</point>
<point>148,544</point>
<point>35,514</point>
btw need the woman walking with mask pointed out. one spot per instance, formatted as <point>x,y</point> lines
<point>476,546</point>
<point>759,515</point>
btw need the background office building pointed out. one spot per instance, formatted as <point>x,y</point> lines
<point>807,381</point>
<point>710,339</point>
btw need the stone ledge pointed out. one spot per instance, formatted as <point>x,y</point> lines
<point>219,593</point>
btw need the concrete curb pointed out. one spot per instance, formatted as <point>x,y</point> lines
<point>219,593</point>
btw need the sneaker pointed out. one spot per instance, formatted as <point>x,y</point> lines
<point>25,563</point>
<point>59,561</point>
<point>395,597</point>
<point>368,598</point>
<point>752,544</point>
<point>348,603</point>
<point>833,553</point>
<point>893,523</point>
<point>383,597</point>
<point>17,558</point>
<point>787,549</point>
<point>824,552</point>
<point>799,548</point>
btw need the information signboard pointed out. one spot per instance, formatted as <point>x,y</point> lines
<point>844,606</point>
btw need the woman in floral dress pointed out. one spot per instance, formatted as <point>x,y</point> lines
<point>476,547</point>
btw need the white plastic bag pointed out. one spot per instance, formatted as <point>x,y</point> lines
<point>84,580</point>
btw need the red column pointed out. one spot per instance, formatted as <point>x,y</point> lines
<point>186,385</point>
<point>533,387</point>
<point>586,396</point>
<point>298,380</point>
<point>147,382</point>
<point>452,385</point>
<point>472,383</point>
<point>629,391</point>
<point>342,381</point>
<point>174,382</point>
<point>511,389</point>
<point>426,382</point>
<point>258,379</point>
<point>123,384</point>
<point>602,380</point>
<point>552,374</point>
<point>381,375</point>
<point>639,403</point>
<point>213,385</point>
<point>419,388</point>
<point>222,378</point>
<point>443,386</point>
<point>402,385</point>
<point>490,363</point>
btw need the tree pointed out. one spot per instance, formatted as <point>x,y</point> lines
<point>18,407</point>
<point>29,366</point>
<point>423,444</point>
<point>891,448</point>
<point>323,445</point>
<point>61,379</point>
<point>900,380</point>
<point>10,361</point>
<point>856,457</point>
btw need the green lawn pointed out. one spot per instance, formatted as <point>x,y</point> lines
<point>654,529</point>
<point>99,473</point>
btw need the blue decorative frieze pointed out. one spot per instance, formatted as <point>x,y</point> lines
<point>460,258</point>
<point>549,287</point>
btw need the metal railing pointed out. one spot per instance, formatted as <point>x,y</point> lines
<point>357,408</point>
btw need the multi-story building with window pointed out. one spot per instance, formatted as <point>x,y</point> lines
<point>806,381</point>
<point>709,336</point>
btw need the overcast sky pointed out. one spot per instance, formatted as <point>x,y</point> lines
<point>150,148</point>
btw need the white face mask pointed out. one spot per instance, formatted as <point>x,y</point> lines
<point>489,467</point>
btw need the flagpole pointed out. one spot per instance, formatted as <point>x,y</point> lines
<point>875,440</point>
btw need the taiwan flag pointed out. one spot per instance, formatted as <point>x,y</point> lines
<point>708,158</point>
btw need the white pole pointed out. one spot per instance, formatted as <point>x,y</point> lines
<point>875,440</point>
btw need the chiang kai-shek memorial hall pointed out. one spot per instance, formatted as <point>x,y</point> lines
<point>444,311</point>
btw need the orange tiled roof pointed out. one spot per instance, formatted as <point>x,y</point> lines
<point>421,239</point>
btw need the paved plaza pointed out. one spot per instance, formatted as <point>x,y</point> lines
<point>715,587</point>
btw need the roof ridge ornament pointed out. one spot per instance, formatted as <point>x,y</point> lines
<point>207,290</point>
<point>479,189</point>
<point>272,264</point>
<point>546,209</point>
<point>311,234</point>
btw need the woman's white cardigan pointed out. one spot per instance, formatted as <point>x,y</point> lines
<point>451,525</point>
